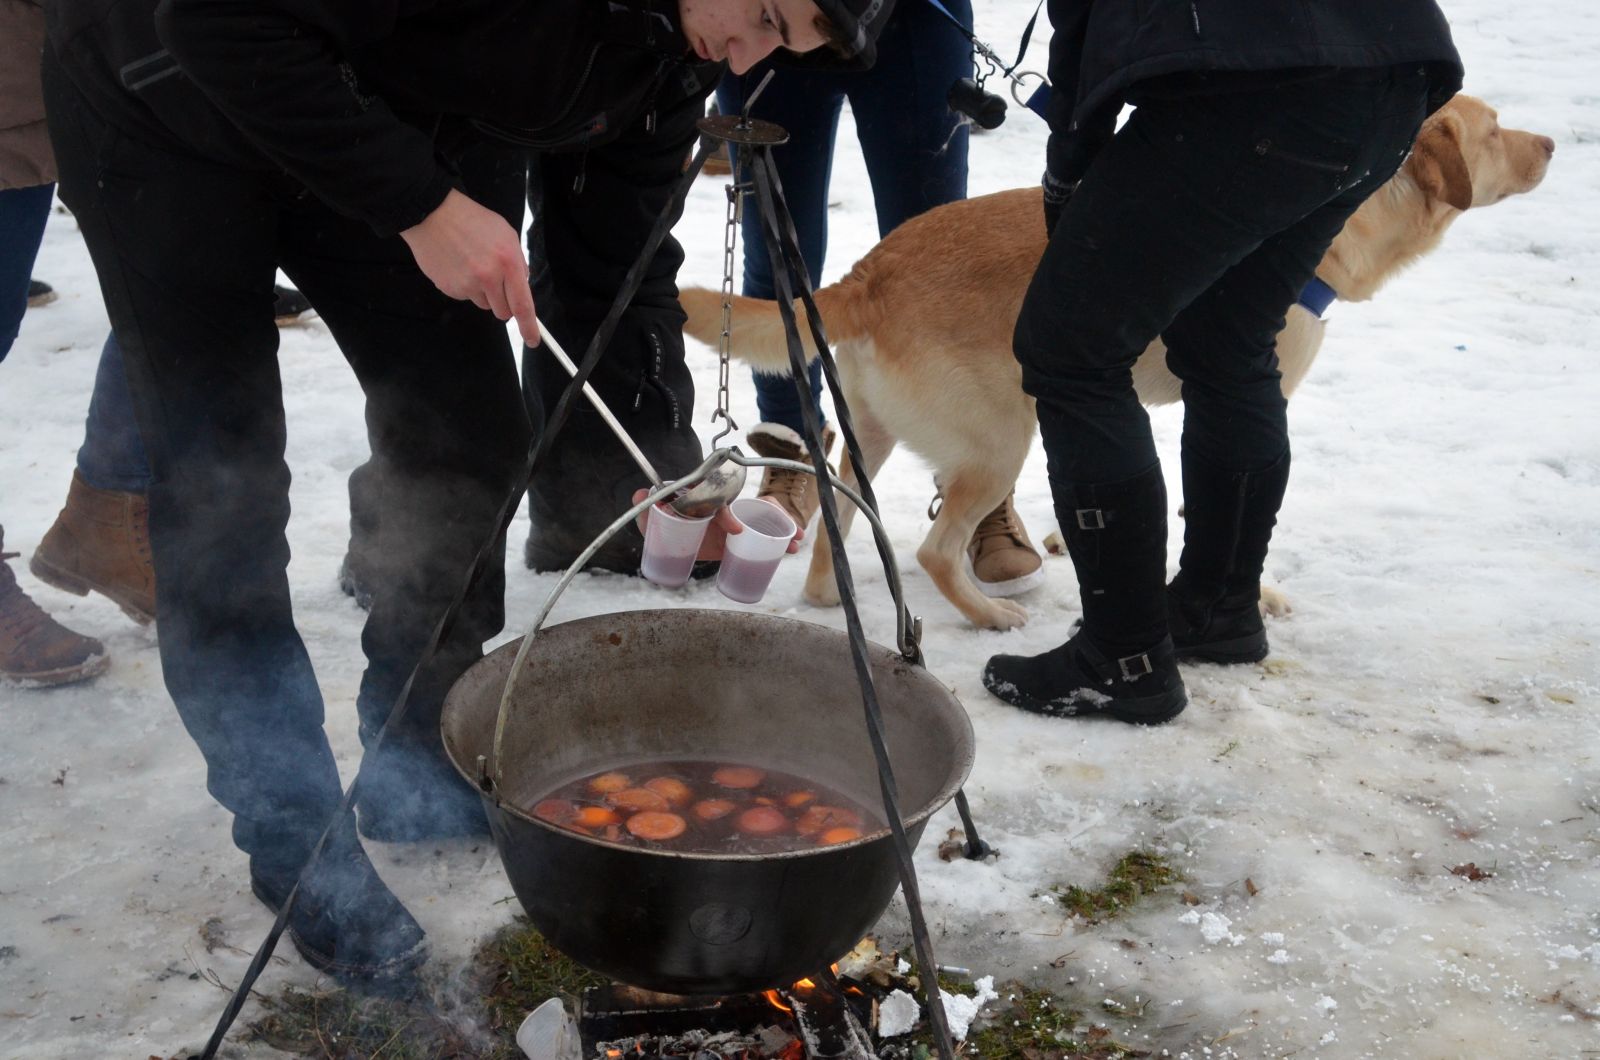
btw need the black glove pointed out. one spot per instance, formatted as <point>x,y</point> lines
<point>1057,194</point>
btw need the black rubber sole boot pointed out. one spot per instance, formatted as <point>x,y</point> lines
<point>1229,636</point>
<point>1076,680</point>
<point>1213,604</point>
<point>346,922</point>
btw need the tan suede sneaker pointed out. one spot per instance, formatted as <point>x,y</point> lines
<point>1004,562</point>
<point>794,491</point>
<point>101,542</point>
<point>35,649</point>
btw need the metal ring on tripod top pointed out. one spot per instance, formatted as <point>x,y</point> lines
<point>738,129</point>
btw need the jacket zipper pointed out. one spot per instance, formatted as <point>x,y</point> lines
<point>652,378</point>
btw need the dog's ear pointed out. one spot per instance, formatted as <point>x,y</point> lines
<point>1438,164</point>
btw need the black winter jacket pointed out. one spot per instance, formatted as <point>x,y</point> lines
<point>367,101</point>
<point>1103,50</point>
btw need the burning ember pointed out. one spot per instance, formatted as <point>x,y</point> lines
<point>830,1016</point>
<point>815,1019</point>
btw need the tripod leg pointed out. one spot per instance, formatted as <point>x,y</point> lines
<point>876,445</point>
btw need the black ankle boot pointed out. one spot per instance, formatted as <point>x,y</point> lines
<point>1213,604</point>
<point>345,920</point>
<point>1121,663</point>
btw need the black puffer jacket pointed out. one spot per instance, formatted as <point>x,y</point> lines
<point>367,101</point>
<point>1104,50</point>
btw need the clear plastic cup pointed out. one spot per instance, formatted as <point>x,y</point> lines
<point>751,558</point>
<point>671,543</point>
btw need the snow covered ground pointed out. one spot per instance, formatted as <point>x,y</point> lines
<point>1430,702</point>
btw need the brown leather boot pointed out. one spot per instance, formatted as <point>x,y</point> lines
<point>793,491</point>
<point>1004,561</point>
<point>35,649</point>
<point>101,541</point>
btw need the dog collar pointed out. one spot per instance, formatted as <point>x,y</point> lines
<point>1317,297</point>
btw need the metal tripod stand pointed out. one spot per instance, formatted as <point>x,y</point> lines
<point>750,142</point>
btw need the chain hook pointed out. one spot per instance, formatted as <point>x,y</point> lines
<point>730,238</point>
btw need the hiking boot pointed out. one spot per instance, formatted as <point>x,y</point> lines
<point>290,307</point>
<point>1213,603</point>
<point>36,650</point>
<point>345,920</point>
<point>793,491</point>
<point>101,542</point>
<point>40,293</point>
<point>1121,663</point>
<point>1003,560</point>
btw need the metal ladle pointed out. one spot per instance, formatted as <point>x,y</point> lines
<point>722,483</point>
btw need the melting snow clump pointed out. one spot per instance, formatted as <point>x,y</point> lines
<point>897,1013</point>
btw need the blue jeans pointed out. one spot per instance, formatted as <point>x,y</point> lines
<point>23,212</point>
<point>112,456</point>
<point>914,145</point>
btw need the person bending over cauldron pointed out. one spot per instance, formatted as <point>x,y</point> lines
<point>205,143</point>
<point>1260,126</point>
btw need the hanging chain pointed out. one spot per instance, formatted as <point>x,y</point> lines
<point>730,237</point>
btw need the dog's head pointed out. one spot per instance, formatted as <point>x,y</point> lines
<point>1463,158</point>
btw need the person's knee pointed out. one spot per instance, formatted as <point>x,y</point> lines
<point>1053,349</point>
<point>1244,430</point>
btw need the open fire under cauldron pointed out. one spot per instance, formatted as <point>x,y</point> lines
<point>620,689</point>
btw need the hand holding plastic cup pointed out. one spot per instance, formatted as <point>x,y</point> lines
<point>750,558</point>
<point>671,543</point>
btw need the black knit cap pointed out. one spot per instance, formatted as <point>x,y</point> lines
<point>859,23</point>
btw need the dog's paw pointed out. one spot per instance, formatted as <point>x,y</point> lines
<point>1003,614</point>
<point>824,592</point>
<point>1274,602</point>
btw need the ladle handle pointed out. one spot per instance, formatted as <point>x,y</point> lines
<point>589,392</point>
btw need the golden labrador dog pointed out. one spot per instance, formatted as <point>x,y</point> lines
<point>922,327</point>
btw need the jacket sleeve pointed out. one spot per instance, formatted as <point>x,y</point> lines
<point>1074,139</point>
<point>276,70</point>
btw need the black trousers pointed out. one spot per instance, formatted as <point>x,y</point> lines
<point>1200,223</point>
<point>185,250</point>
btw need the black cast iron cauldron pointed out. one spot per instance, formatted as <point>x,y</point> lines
<point>620,689</point>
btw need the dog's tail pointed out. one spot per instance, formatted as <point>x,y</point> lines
<point>756,333</point>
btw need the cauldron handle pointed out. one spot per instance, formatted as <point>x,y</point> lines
<point>907,634</point>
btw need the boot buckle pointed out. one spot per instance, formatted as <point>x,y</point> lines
<point>1130,666</point>
<point>1091,519</point>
